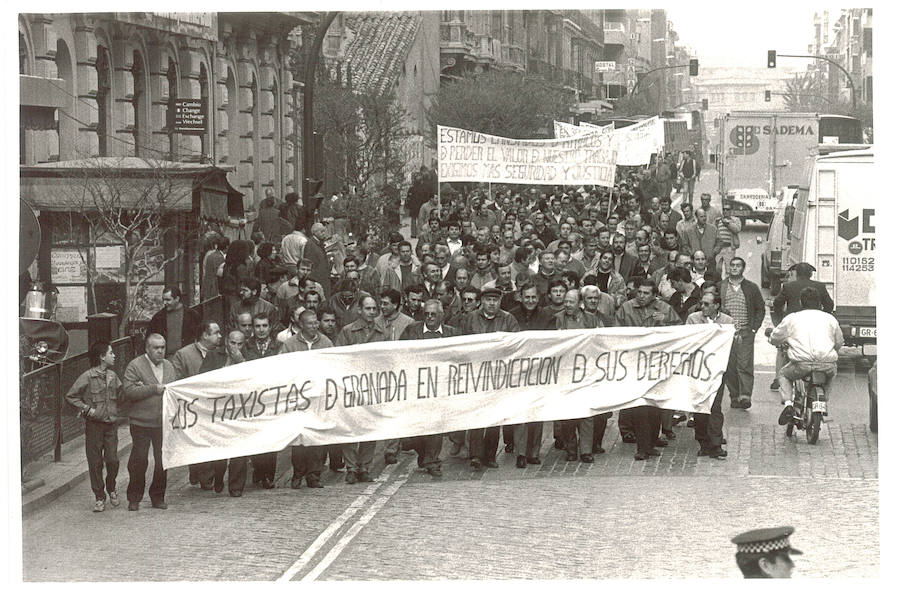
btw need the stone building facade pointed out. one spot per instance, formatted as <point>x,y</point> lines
<point>115,78</point>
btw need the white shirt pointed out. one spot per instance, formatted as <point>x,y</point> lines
<point>810,335</point>
<point>454,246</point>
<point>157,369</point>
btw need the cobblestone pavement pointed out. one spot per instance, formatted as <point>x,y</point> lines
<point>567,513</point>
<point>612,527</point>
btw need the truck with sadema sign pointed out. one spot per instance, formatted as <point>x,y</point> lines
<point>761,153</point>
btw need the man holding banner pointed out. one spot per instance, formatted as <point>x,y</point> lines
<point>428,447</point>
<point>489,318</point>
<point>358,456</point>
<point>647,311</point>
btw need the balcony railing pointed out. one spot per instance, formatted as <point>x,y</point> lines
<point>456,35</point>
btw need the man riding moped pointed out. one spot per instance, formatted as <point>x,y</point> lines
<point>811,339</point>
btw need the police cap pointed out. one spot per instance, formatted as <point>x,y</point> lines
<point>765,541</point>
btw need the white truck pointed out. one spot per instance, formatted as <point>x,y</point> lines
<point>760,153</point>
<point>833,229</point>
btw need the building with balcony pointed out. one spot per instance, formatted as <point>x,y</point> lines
<point>106,84</point>
<point>472,42</point>
<point>847,41</point>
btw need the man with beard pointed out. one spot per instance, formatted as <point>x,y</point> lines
<point>623,262</point>
<point>251,303</point>
<point>345,302</point>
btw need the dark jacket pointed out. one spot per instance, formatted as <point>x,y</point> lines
<point>788,301</point>
<point>321,267</point>
<point>538,319</point>
<point>190,326</point>
<point>756,306</point>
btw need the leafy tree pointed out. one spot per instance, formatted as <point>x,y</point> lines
<point>500,103</point>
<point>643,104</point>
<point>804,93</point>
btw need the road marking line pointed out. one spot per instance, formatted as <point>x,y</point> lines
<point>334,527</point>
<point>376,506</point>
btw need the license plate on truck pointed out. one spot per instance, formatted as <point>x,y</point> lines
<point>866,333</point>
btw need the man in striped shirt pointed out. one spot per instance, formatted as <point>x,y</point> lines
<point>742,300</point>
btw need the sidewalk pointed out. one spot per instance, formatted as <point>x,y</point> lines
<point>49,479</point>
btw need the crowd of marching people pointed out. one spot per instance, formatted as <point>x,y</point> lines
<point>635,254</point>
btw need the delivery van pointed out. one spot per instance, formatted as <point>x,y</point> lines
<point>833,229</point>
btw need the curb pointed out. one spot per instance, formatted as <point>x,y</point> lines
<point>46,494</point>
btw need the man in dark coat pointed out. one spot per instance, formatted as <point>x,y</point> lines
<point>175,322</point>
<point>315,252</point>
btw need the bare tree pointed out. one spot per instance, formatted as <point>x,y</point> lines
<point>132,209</point>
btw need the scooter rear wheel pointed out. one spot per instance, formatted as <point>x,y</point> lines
<point>812,429</point>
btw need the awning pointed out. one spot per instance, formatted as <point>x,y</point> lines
<point>127,182</point>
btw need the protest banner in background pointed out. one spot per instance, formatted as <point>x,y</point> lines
<point>467,156</point>
<point>390,390</point>
<point>636,143</point>
<point>564,130</point>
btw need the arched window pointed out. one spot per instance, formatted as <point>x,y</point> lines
<point>254,135</point>
<point>137,102</point>
<point>231,112</point>
<point>66,126</point>
<point>278,134</point>
<point>172,77</point>
<point>104,99</point>
<point>23,55</point>
<point>204,103</point>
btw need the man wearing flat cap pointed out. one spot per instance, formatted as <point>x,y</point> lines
<point>765,553</point>
<point>489,317</point>
<point>788,301</point>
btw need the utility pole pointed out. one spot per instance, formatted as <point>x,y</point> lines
<point>309,85</point>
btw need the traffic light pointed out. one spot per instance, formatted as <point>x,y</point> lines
<point>704,104</point>
<point>768,96</point>
<point>693,67</point>
<point>771,58</point>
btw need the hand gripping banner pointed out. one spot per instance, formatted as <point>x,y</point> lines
<point>391,390</point>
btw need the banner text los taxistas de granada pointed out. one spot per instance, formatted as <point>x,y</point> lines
<point>400,389</point>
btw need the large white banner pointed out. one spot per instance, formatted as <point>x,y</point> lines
<point>564,130</point>
<point>400,389</point>
<point>636,143</point>
<point>468,156</point>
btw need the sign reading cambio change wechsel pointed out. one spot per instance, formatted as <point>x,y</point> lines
<point>467,156</point>
<point>402,389</point>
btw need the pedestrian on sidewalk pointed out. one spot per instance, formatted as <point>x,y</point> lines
<point>96,394</point>
<point>143,385</point>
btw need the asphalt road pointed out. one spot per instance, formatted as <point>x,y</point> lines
<point>668,517</point>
